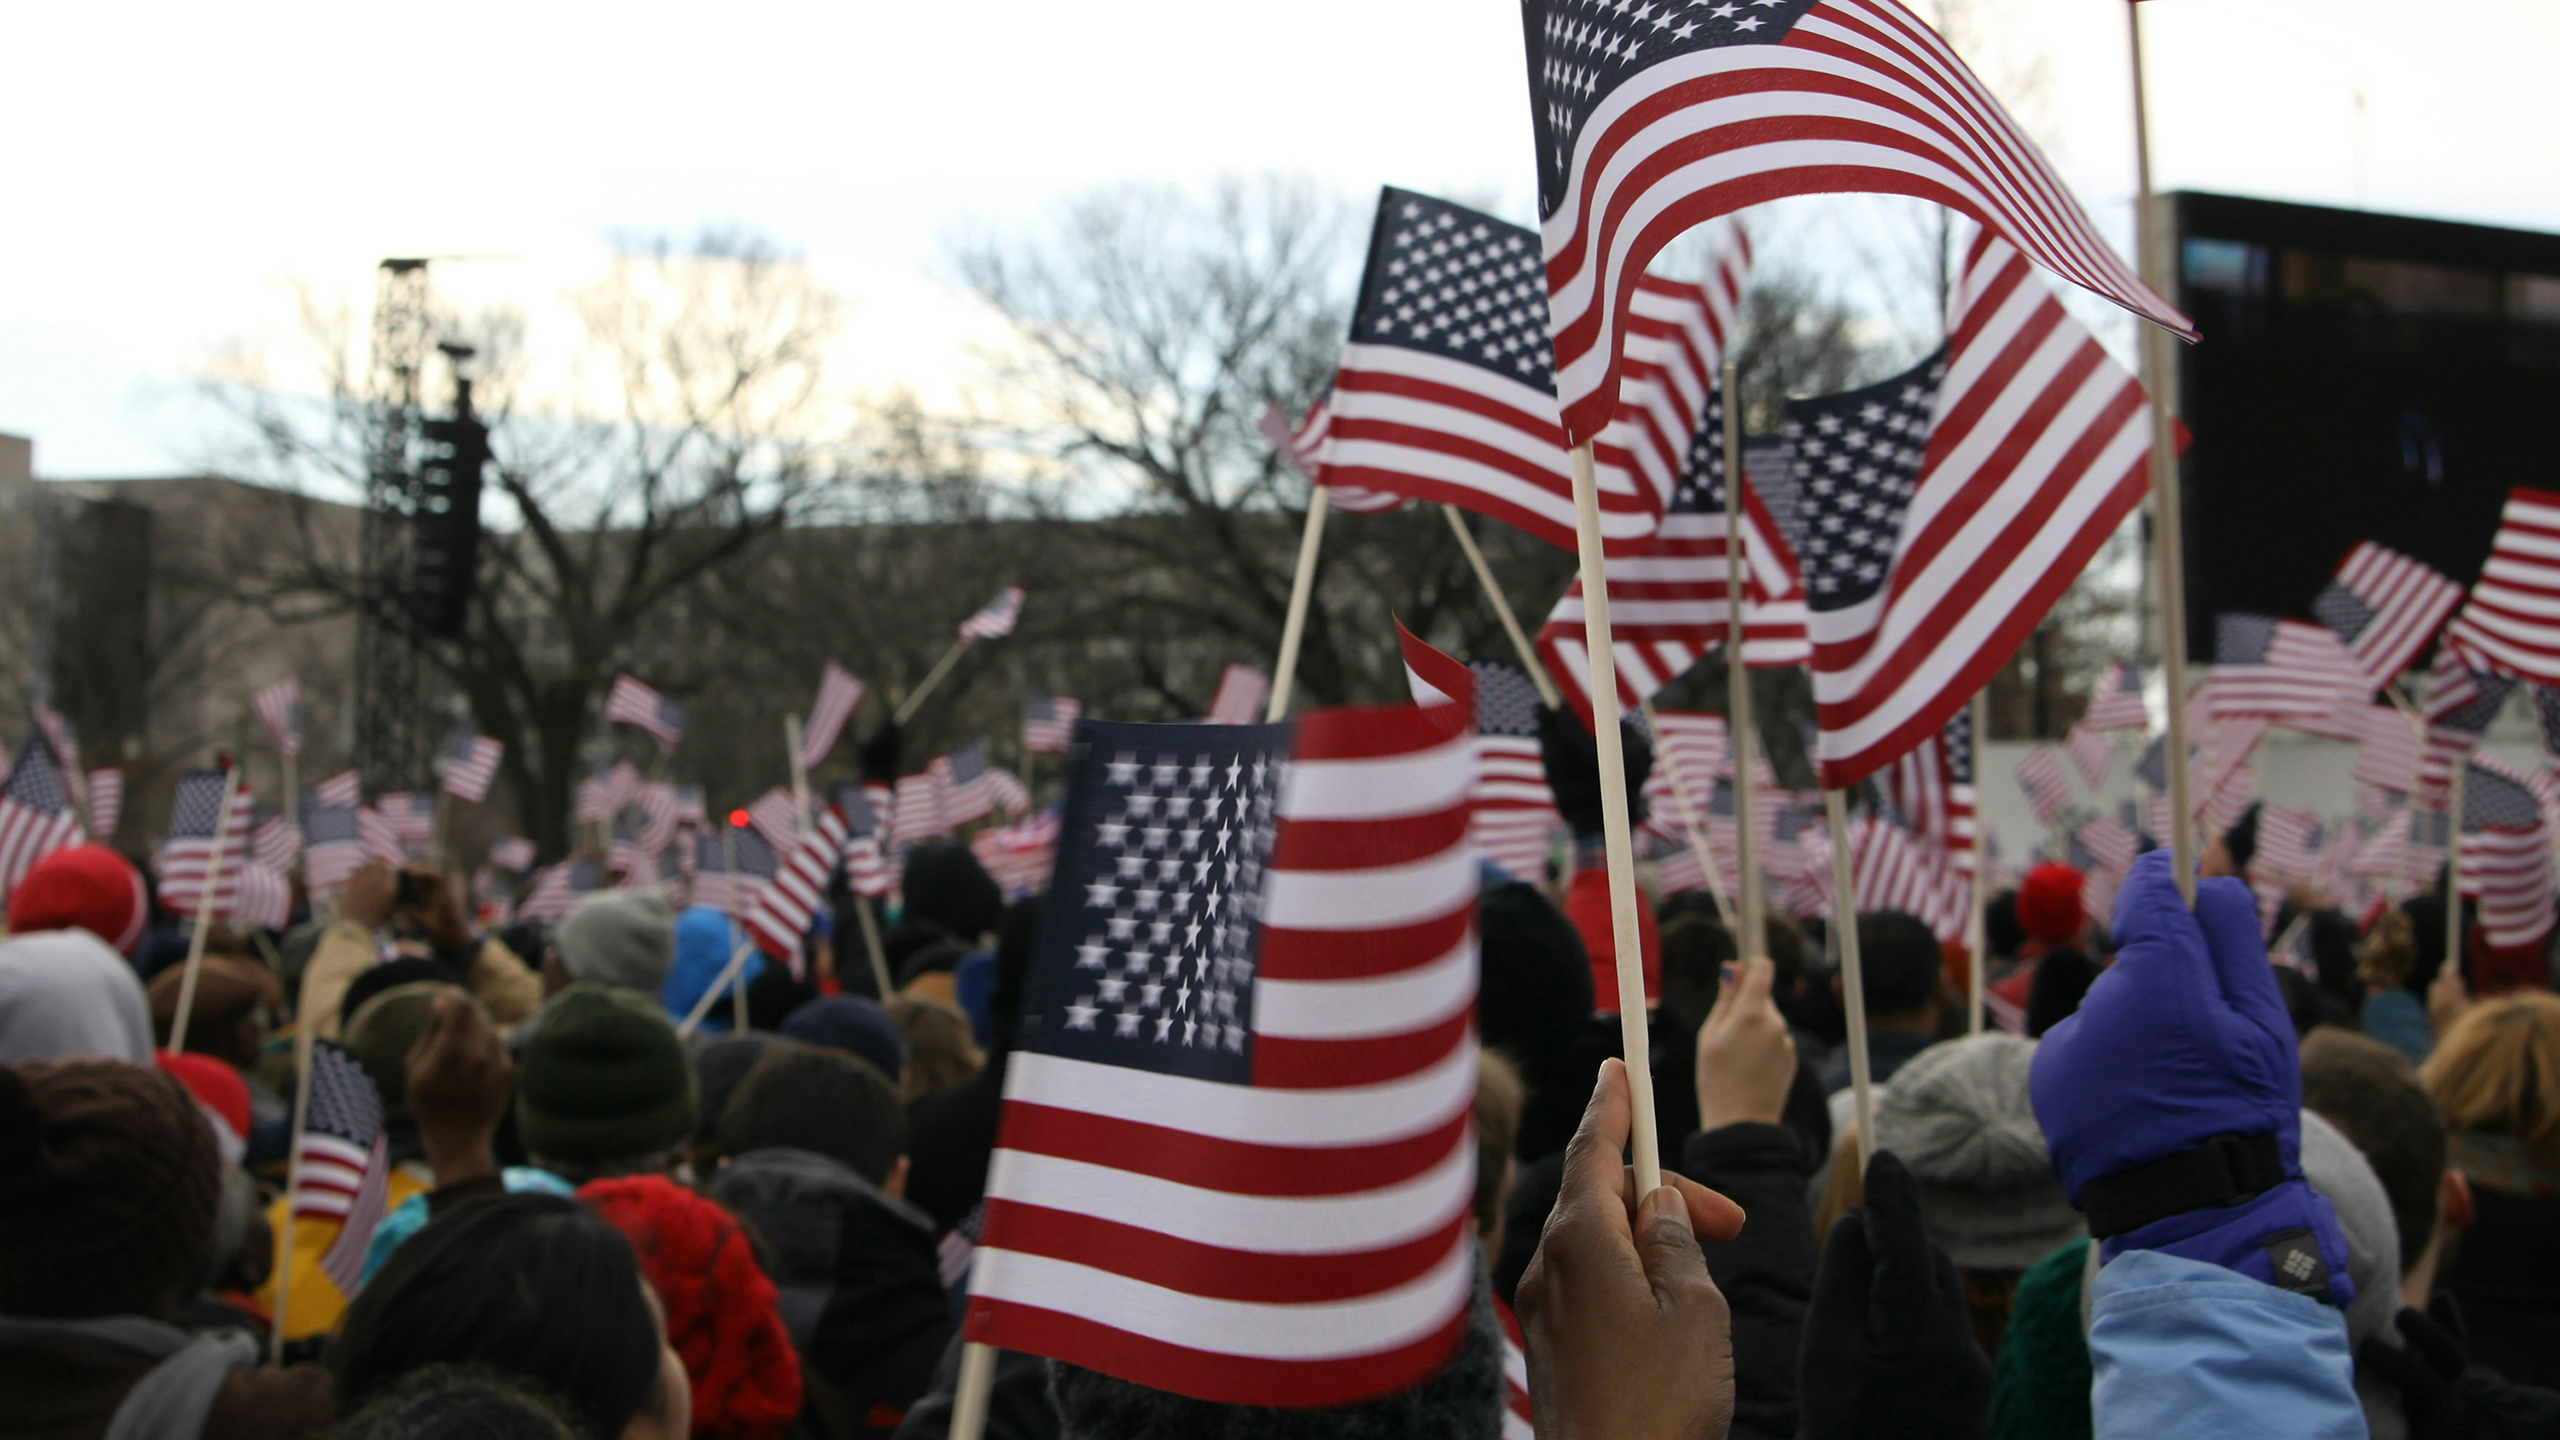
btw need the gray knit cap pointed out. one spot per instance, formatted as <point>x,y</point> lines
<point>1958,1115</point>
<point>623,938</point>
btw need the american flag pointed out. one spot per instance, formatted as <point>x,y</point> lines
<point>1893,869</point>
<point>662,809</point>
<point>186,856</point>
<point>783,909</point>
<point>596,801</point>
<point>964,788</point>
<point>1446,387</point>
<point>412,817</point>
<point>2386,748</point>
<point>2459,706</point>
<point>557,889</point>
<point>106,803</point>
<point>273,841</point>
<point>36,817</point>
<point>866,864</point>
<point>731,869</point>
<point>2504,628</point>
<point>1512,817</point>
<point>1652,121</point>
<point>839,695</point>
<point>471,762</point>
<point>917,812</point>
<point>2284,670</point>
<point>2111,841</point>
<point>1932,785</point>
<point>1668,606</point>
<point>2385,607</point>
<point>1046,720</point>
<point>1519,1419</point>
<point>2040,775</point>
<point>279,708</point>
<point>1926,567</point>
<point>263,897</point>
<point>776,815</point>
<point>333,845</point>
<point>1303,446</point>
<point>344,1169</point>
<point>624,855</point>
<point>512,852</point>
<point>58,732</point>
<point>2506,854</point>
<point>1241,692</point>
<point>1236,1158</point>
<point>2117,702</point>
<point>2289,842</point>
<point>1690,750</point>
<point>345,788</point>
<point>633,703</point>
<point>1019,855</point>
<point>379,836</point>
<point>996,618</point>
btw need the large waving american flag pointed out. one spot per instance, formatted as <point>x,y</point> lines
<point>1669,605</point>
<point>1446,388</point>
<point>1945,510</point>
<point>1236,1159</point>
<point>2506,627</point>
<point>1932,785</point>
<point>1652,119</point>
<point>2385,607</point>
<point>1302,445</point>
<point>2506,854</point>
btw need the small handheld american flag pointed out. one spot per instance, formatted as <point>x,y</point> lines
<point>279,708</point>
<point>342,1165</point>
<point>35,814</point>
<point>186,859</point>
<point>839,695</point>
<point>1236,1159</point>
<point>996,618</point>
<point>1046,719</point>
<point>633,703</point>
<point>470,763</point>
<point>1241,691</point>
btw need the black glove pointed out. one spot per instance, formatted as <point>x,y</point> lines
<point>1888,1342</point>
<point>879,754</point>
<point>1572,759</point>
<point>2428,1372</point>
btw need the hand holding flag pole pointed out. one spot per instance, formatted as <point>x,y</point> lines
<point>205,899</point>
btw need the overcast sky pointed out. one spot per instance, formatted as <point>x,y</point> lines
<point>167,170</point>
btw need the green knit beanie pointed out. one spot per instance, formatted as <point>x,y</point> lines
<point>603,1077</point>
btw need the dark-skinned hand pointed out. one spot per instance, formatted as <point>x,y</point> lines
<point>1888,1342</point>
<point>459,1081</point>
<point>1627,1337</point>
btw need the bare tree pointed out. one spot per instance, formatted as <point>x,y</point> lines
<point>696,421</point>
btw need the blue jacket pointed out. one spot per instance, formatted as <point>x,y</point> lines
<point>2188,1348</point>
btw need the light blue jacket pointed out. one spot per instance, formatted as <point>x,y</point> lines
<point>2181,1347</point>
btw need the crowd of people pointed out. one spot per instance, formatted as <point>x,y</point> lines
<point>2174,1188</point>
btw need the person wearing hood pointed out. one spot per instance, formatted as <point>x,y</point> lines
<point>815,1145</point>
<point>63,993</point>
<point>705,938</point>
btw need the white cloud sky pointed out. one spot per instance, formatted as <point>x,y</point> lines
<point>166,169</point>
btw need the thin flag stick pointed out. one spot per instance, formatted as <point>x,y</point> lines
<point>204,912</point>
<point>729,861</point>
<point>2452,866</point>
<point>871,943</point>
<point>1301,591</point>
<point>292,811</point>
<point>808,823</point>
<point>932,677</point>
<point>2409,812</point>
<point>1977,934</point>
<point>1853,993</point>
<point>977,1383</point>
<point>1752,939</point>
<point>728,974</point>
<point>1538,676</point>
<point>2168,540</point>
<point>1625,934</point>
<point>1689,823</point>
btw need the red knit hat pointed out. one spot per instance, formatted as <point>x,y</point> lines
<point>2049,904</point>
<point>720,1307</point>
<point>82,887</point>
<point>220,1093</point>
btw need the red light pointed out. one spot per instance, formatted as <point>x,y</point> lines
<point>738,818</point>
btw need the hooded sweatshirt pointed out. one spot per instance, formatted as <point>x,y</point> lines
<point>64,993</point>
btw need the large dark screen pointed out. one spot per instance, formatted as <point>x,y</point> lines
<point>2360,377</point>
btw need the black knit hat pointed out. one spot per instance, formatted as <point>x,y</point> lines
<point>603,1077</point>
<point>945,884</point>
<point>109,1184</point>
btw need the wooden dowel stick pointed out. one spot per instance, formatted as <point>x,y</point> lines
<point>1752,937</point>
<point>1538,676</point>
<point>1302,587</point>
<point>1853,994</point>
<point>1689,823</point>
<point>1625,933</point>
<point>977,1383</point>
<point>204,913</point>
<point>728,974</point>
<point>1977,932</point>
<point>933,677</point>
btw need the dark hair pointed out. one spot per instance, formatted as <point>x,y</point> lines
<point>944,883</point>
<point>2240,842</point>
<point>2061,981</point>
<point>913,934</point>
<point>1013,961</point>
<point>1898,962</point>
<point>811,1098</point>
<point>1695,950</point>
<point>1536,989</point>
<point>719,1068</point>
<point>374,979</point>
<point>534,1285</point>
<point>2374,1096</point>
<point>2301,1000</point>
<point>940,957</point>
<point>2001,932</point>
<point>461,1402</point>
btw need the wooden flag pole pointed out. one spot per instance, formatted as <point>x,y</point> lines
<point>932,677</point>
<point>292,811</point>
<point>204,912</point>
<point>2167,541</point>
<point>1977,928</point>
<point>1752,938</point>
<point>808,823</point>
<point>1853,994</point>
<point>1301,591</point>
<point>1625,934</point>
<point>976,1384</point>
<point>1689,823</point>
<point>728,975</point>
<point>1538,676</point>
<point>2452,864</point>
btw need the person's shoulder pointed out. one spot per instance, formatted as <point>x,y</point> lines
<point>272,1402</point>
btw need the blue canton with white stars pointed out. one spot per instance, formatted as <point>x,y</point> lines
<point>1957,740</point>
<point>36,782</point>
<point>1452,282</point>
<point>1701,487</point>
<point>1857,460</point>
<point>1506,700</point>
<point>1145,951</point>
<point>1580,50</point>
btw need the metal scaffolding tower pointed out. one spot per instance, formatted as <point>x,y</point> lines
<point>391,736</point>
